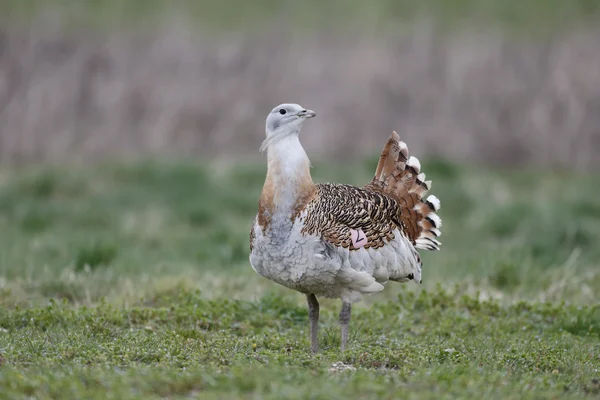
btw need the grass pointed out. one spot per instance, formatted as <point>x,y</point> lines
<point>430,345</point>
<point>132,281</point>
<point>353,16</point>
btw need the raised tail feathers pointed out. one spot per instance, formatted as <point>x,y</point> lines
<point>400,176</point>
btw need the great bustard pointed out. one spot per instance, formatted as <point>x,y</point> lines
<point>335,240</point>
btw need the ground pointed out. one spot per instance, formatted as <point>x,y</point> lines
<point>132,281</point>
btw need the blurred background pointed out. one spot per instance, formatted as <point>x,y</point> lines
<point>129,135</point>
<point>500,81</point>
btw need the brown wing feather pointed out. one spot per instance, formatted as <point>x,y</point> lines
<point>337,208</point>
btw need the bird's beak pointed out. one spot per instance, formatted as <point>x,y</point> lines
<point>306,114</point>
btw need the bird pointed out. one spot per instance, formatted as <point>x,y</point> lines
<point>336,240</point>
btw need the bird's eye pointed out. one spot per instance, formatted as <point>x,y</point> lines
<point>282,111</point>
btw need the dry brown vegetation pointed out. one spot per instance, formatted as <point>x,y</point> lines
<point>480,95</point>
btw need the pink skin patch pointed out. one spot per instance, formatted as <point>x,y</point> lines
<point>359,239</point>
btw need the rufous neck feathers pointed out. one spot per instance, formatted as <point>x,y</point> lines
<point>288,181</point>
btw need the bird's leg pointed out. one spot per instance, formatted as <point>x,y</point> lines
<point>345,314</point>
<point>313,315</point>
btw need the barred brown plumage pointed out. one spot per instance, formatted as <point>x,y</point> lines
<point>337,208</point>
<point>337,240</point>
<point>399,176</point>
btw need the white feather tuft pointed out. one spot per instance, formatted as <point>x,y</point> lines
<point>421,177</point>
<point>427,244</point>
<point>435,219</point>
<point>433,241</point>
<point>415,163</point>
<point>435,202</point>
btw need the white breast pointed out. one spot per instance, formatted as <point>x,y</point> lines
<point>309,265</point>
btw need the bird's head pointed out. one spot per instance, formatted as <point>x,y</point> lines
<point>285,120</point>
